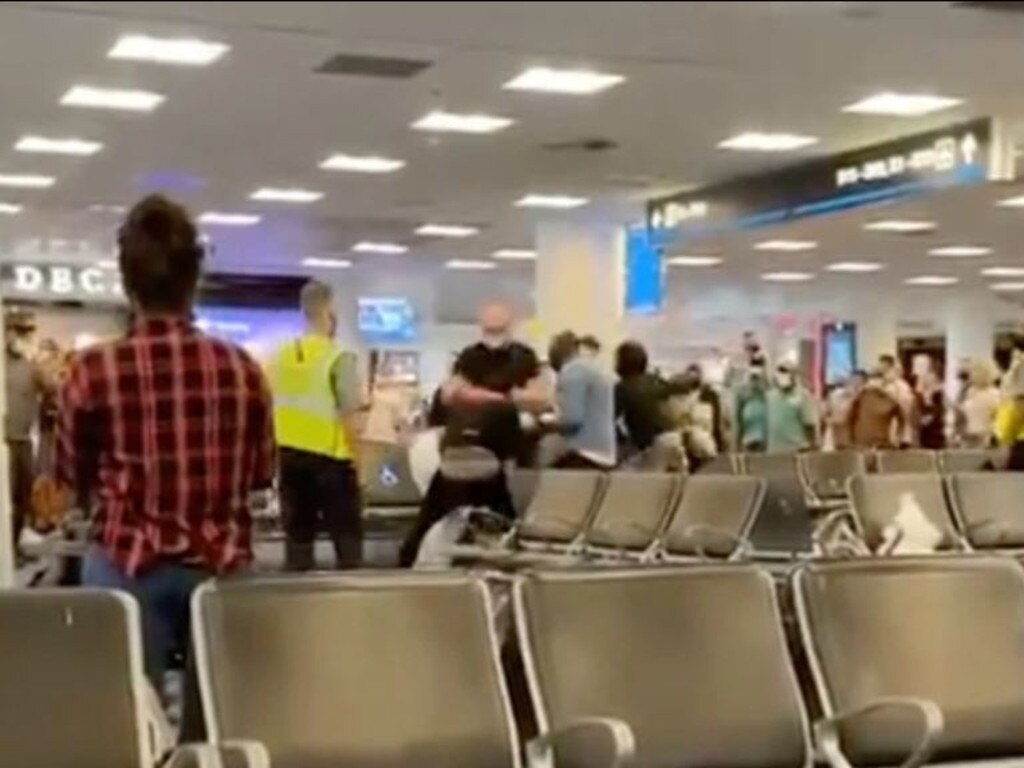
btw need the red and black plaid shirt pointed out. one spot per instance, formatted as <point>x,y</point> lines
<point>170,430</point>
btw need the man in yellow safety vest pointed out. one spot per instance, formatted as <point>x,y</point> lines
<point>316,395</point>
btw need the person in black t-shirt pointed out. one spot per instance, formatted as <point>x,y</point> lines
<point>493,381</point>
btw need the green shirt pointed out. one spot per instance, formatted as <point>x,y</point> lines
<point>791,419</point>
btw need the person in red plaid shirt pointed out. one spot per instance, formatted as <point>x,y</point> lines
<point>169,432</point>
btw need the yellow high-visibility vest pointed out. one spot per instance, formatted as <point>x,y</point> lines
<point>306,414</point>
<point>1009,426</point>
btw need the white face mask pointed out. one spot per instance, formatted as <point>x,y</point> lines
<point>784,380</point>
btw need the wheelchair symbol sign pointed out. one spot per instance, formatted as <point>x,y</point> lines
<point>387,476</point>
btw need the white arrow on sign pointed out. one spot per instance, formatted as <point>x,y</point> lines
<point>969,148</point>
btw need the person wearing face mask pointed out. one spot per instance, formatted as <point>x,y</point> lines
<point>24,389</point>
<point>495,388</point>
<point>874,416</point>
<point>752,412</point>
<point>792,414</point>
<point>1009,428</point>
<point>317,395</point>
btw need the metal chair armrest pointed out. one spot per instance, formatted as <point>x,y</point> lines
<point>695,532</point>
<point>227,754</point>
<point>590,742</point>
<point>826,730</point>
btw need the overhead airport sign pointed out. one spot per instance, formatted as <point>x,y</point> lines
<point>952,156</point>
<point>60,282</point>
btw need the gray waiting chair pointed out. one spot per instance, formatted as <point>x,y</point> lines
<point>906,462</point>
<point>388,670</point>
<point>73,693</point>
<point>957,460</point>
<point>631,512</point>
<point>917,660</point>
<point>560,509</point>
<point>722,464</point>
<point>824,474</point>
<point>783,528</point>
<point>693,659</point>
<point>876,500</point>
<point>712,518</point>
<point>387,478</point>
<point>989,507</point>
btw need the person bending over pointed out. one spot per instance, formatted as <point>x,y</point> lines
<point>585,406</point>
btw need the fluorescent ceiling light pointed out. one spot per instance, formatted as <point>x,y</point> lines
<point>787,277</point>
<point>26,180</point>
<point>57,146</point>
<point>274,194</point>
<point>105,208</point>
<point>694,261</point>
<point>163,50</point>
<point>470,264</point>
<point>789,246</point>
<point>754,141</point>
<point>107,264</point>
<point>515,254</point>
<point>112,98</point>
<point>368,246</point>
<point>322,263</point>
<point>577,82</point>
<point>1007,286</point>
<point>931,280</point>
<point>1012,202</point>
<point>855,267</point>
<point>559,202</point>
<point>455,123</point>
<point>902,104</point>
<point>9,209</point>
<point>362,164</point>
<point>446,230</point>
<point>1003,272</point>
<point>900,226</point>
<point>229,219</point>
<point>961,251</point>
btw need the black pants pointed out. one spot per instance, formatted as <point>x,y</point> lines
<point>445,495</point>
<point>317,489</point>
<point>22,474</point>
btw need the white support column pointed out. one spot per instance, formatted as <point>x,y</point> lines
<point>579,281</point>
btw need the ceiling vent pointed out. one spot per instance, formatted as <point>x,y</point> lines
<point>387,67</point>
<point>581,145</point>
<point>989,5</point>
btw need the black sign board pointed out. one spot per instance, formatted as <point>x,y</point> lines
<point>951,156</point>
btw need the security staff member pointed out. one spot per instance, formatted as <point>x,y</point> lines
<point>316,395</point>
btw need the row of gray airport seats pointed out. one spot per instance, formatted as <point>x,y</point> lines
<point>970,510</point>
<point>914,662</point>
<point>578,514</point>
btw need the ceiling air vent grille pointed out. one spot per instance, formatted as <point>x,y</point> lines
<point>387,67</point>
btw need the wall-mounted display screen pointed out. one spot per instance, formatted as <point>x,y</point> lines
<point>840,352</point>
<point>386,319</point>
<point>259,331</point>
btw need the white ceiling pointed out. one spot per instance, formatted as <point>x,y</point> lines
<point>697,73</point>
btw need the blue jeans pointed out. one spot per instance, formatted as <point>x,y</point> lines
<point>163,592</point>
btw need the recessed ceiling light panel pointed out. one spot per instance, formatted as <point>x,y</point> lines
<point>10,209</point>
<point>576,82</point>
<point>515,254</point>
<point>961,251</point>
<point>26,180</point>
<point>557,202</point>
<point>164,50</point>
<point>755,141</point>
<point>452,122</point>
<point>362,163</point>
<point>934,281</point>
<point>900,226</point>
<point>855,267</point>
<point>1003,272</point>
<point>787,277</point>
<point>1012,202</point>
<point>902,104</point>
<point>112,98</point>
<point>446,230</point>
<point>786,246</point>
<point>1007,287</point>
<point>470,264</point>
<point>326,263</point>
<point>229,219</point>
<point>44,145</point>
<point>693,261</point>
<point>279,195</point>
<point>369,246</point>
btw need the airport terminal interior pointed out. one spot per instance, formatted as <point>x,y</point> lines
<point>522,384</point>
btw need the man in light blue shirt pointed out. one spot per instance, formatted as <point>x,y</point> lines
<point>586,406</point>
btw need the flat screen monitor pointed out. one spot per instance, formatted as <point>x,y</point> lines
<point>258,330</point>
<point>386,319</point>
